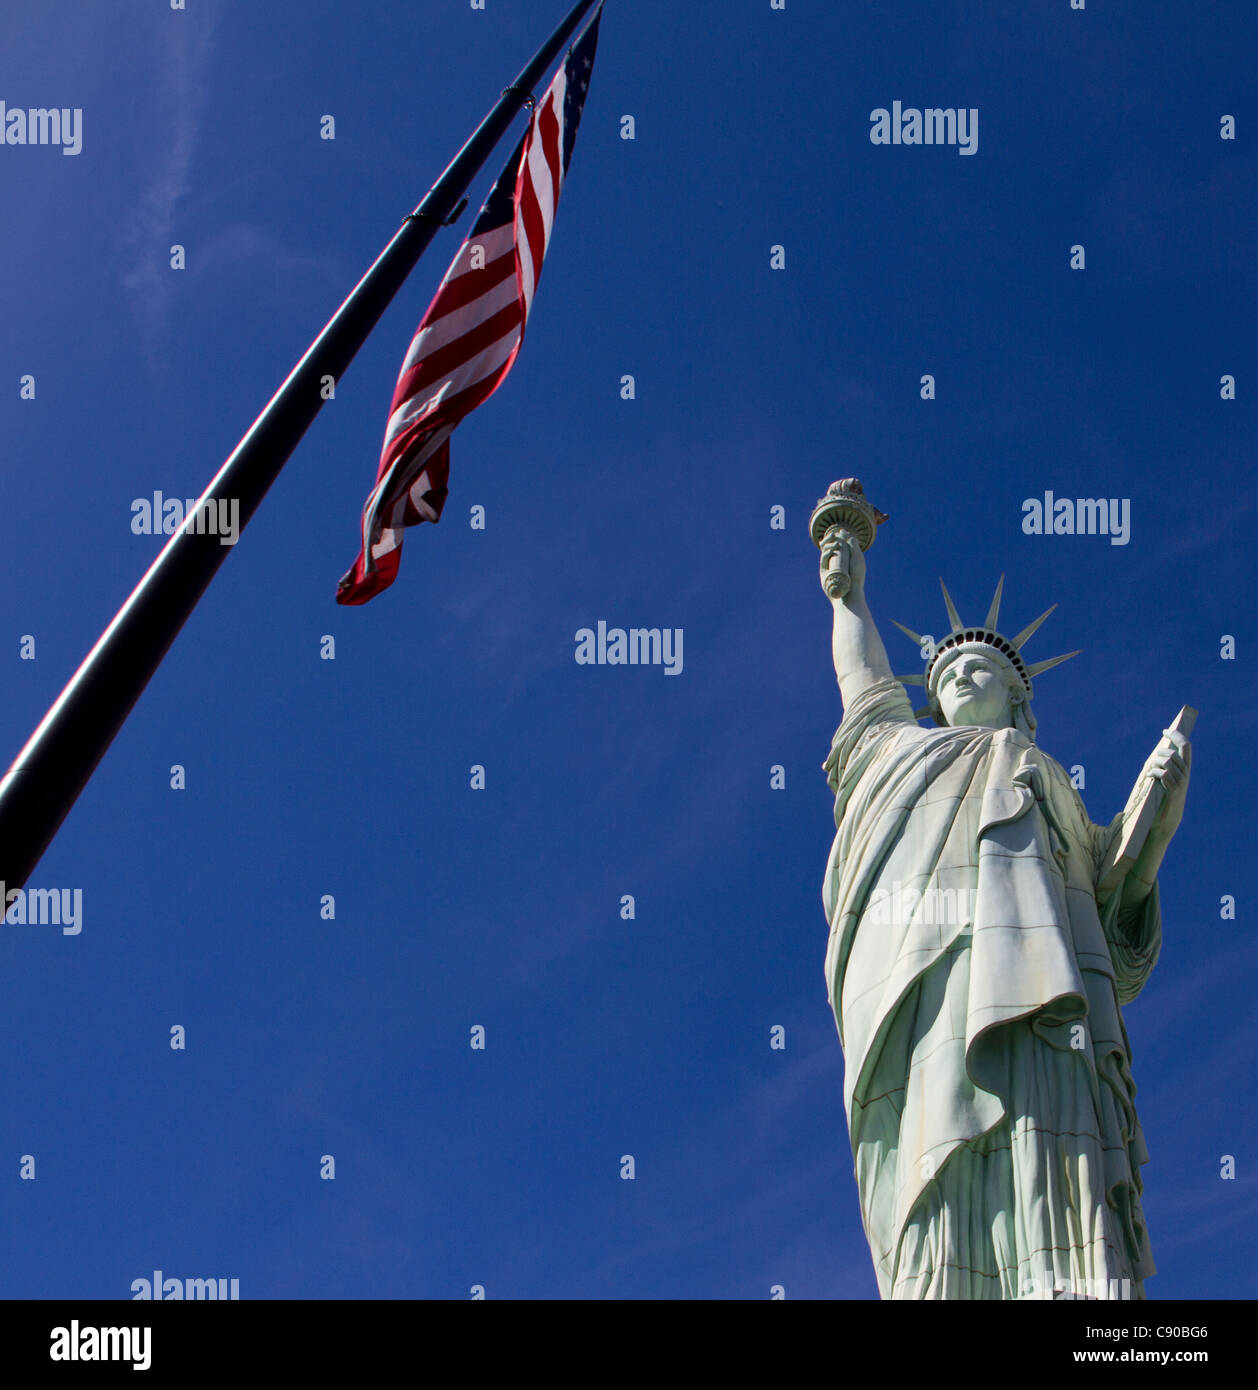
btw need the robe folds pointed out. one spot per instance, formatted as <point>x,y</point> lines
<point>976,982</point>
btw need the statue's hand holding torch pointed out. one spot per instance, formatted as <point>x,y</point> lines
<point>843,525</point>
<point>842,564</point>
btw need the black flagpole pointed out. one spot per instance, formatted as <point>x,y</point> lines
<point>52,769</point>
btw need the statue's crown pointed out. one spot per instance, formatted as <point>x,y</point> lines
<point>982,637</point>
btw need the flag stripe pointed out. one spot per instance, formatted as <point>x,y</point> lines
<point>465,288</point>
<point>448,328</point>
<point>452,360</point>
<point>550,132</point>
<point>470,373</point>
<point>538,194</point>
<point>455,408</point>
<point>422,461</point>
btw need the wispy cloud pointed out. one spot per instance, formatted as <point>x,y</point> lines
<point>182,57</point>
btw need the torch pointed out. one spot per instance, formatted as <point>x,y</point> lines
<point>847,510</point>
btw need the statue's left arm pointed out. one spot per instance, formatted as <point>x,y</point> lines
<point>1130,912</point>
<point>1168,765</point>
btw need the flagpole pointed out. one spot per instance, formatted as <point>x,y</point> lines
<point>47,776</point>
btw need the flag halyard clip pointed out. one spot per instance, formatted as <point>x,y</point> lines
<point>432,216</point>
<point>529,99</point>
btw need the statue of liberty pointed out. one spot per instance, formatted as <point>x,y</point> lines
<point>983,935</point>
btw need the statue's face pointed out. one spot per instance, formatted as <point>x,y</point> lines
<point>972,689</point>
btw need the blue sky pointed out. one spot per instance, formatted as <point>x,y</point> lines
<point>754,388</point>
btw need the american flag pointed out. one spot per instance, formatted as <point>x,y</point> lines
<point>467,341</point>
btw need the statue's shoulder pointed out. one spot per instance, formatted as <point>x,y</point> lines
<point>882,701</point>
<point>1064,785</point>
<point>880,712</point>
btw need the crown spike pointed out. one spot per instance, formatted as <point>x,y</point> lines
<point>1029,630</point>
<point>953,616</point>
<point>994,611</point>
<point>1052,661</point>
<point>909,633</point>
<point>911,680</point>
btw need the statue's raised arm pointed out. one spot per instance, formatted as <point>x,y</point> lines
<point>844,525</point>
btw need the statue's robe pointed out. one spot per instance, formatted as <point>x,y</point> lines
<point>988,1083</point>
